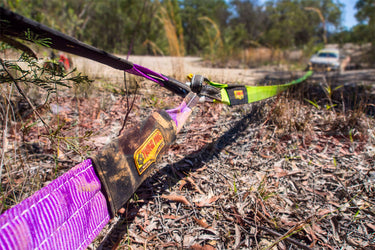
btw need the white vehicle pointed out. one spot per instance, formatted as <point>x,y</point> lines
<point>328,59</point>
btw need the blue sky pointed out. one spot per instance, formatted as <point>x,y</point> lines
<point>349,11</point>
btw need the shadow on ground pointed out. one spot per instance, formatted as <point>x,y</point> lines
<point>349,93</point>
<point>166,177</point>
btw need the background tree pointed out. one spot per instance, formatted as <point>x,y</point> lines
<point>365,31</point>
<point>212,27</point>
<point>247,23</point>
<point>291,25</point>
<point>196,39</point>
<point>112,25</point>
<point>70,17</point>
<point>118,28</point>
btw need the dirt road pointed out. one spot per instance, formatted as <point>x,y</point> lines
<point>173,66</point>
<point>179,67</point>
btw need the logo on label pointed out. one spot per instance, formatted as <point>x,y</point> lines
<point>147,153</point>
<point>238,94</point>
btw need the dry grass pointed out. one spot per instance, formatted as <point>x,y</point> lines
<point>215,42</point>
<point>172,28</point>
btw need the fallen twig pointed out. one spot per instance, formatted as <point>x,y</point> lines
<point>281,237</point>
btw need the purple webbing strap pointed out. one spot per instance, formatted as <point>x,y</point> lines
<point>182,112</point>
<point>146,73</point>
<point>66,214</point>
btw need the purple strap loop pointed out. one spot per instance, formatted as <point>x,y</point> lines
<point>147,73</point>
<point>66,214</point>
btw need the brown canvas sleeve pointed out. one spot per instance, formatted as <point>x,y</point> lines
<point>127,161</point>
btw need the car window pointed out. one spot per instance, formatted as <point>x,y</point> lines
<point>328,55</point>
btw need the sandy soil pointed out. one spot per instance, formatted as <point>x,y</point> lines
<point>175,67</point>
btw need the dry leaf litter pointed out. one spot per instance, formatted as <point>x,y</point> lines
<point>277,174</point>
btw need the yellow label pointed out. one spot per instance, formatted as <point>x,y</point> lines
<point>147,153</point>
<point>238,94</point>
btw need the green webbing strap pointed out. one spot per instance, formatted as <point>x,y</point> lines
<point>236,94</point>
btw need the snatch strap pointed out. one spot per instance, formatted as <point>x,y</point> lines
<point>239,94</point>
